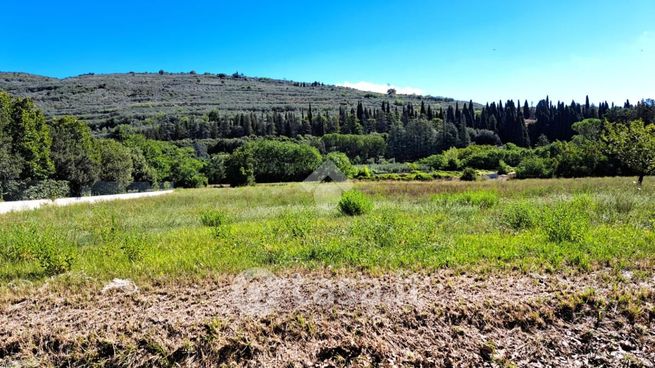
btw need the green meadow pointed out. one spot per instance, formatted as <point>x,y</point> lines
<point>541,225</point>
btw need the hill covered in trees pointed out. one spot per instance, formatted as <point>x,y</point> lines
<point>106,100</point>
<point>78,147</point>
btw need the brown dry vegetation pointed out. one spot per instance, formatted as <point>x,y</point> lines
<point>327,319</point>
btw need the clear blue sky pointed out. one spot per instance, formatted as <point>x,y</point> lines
<point>484,50</point>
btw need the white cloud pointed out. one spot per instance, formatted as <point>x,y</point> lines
<point>382,88</point>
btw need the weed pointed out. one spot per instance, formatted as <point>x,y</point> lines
<point>132,246</point>
<point>17,244</point>
<point>214,219</point>
<point>519,216</point>
<point>296,224</point>
<point>469,174</point>
<point>482,199</point>
<point>567,221</point>
<point>354,203</point>
<point>54,255</point>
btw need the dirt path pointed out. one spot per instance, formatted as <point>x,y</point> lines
<point>15,206</point>
<point>321,319</point>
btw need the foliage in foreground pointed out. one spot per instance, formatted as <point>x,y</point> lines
<point>355,203</point>
<point>528,225</point>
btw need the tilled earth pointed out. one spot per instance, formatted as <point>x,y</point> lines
<point>326,319</point>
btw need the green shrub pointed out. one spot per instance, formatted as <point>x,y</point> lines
<point>342,162</point>
<point>535,167</point>
<point>363,173</point>
<point>46,189</point>
<point>503,168</point>
<point>451,156</point>
<point>215,168</point>
<point>54,261</point>
<point>364,147</point>
<point>282,161</point>
<point>213,218</point>
<point>469,174</point>
<point>17,244</point>
<point>519,216</point>
<point>567,221</point>
<point>422,176</point>
<point>354,203</point>
<point>54,254</point>
<point>434,162</point>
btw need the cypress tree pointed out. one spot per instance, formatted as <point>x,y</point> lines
<point>526,110</point>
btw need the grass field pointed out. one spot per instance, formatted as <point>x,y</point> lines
<point>491,273</point>
<point>531,225</point>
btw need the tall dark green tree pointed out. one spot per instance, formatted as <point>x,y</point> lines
<point>115,164</point>
<point>30,139</point>
<point>74,154</point>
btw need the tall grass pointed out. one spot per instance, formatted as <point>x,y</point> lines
<point>529,225</point>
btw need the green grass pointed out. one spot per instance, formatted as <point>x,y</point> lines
<point>531,225</point>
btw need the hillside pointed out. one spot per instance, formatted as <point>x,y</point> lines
<point>98,98</point>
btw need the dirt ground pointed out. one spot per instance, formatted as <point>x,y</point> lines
<point>325,319</point>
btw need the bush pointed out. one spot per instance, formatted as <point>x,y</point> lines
<point>365,146</point>
<point>434,162</point>
<point>278,161</point>
<point>519,216</point>
<point>534,167</point>
<point>46,189</point>
<point>503,168</point>
<point>214,219</point>
<point>486,137</point>
<point>354,203</point>
<point>54,254</point>
<point>363,173</point>
<point>54,261</point>
<point>342,163</point>
<point>116,164</point>
<point>451,157</point>
<point>186,170</point>
<point>469,174</point>
<point>567,221</point>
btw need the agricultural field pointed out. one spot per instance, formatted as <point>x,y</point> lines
<point>437,273</point>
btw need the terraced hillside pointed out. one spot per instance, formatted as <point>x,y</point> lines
<point>99,98</point>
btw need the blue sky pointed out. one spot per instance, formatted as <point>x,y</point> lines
<point>480,50</point>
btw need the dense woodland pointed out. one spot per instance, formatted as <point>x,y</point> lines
<point>42,157</point>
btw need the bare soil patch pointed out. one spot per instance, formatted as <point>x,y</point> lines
<point>324,319</point>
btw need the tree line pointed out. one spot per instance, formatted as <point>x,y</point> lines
<point>52,158</point>
<point>43,159</point>
<point>423,127</point>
